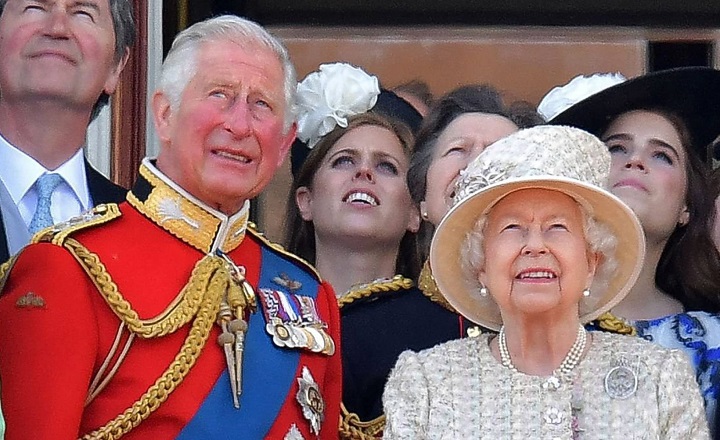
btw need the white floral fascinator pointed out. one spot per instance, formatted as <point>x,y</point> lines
<point>561,98</point>
<point>328,97</point>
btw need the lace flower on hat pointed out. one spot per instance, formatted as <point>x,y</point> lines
<point>328,97</point>
<point>561,98</point>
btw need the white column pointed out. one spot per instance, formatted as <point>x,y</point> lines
<point>97,141</point>
<point>154,62</point>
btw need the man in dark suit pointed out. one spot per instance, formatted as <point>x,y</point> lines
<point>61,61</point>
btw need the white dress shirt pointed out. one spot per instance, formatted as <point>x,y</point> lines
<point>18,173</point>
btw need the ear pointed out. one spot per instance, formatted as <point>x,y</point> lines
<point>287,142</point>
<point>594,260</point>
<point>684,218</point>
<point>414,220</point>
<point>303,199</point>
<point>423,210</point>
<point>114,77</point>
<point>162,113</point>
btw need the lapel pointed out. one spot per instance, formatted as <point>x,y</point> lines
<point>4,252</point>
<point>102,190</point>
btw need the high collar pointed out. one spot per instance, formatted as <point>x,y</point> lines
<point>169,206</point>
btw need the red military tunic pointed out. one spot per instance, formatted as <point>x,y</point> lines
<point>72,358</point>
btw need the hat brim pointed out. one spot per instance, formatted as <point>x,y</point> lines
<point>690,92</point>
<point>452,233</point>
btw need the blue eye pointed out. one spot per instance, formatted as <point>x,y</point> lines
<point>661,155</point>
<point>342,161</point>
<point>388,167</point>
<point>617,148</point>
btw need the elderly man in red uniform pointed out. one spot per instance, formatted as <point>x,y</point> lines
<point>168,316</point>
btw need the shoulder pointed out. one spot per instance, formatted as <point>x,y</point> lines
<point>654,356</point>
<point>99,215</point>
<point>281,252</point>
<point>102,189</point>
<point>453,352</point>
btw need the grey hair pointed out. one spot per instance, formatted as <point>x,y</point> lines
<point>598,236</point>
<point>123,20</point>
<point>181,62</point>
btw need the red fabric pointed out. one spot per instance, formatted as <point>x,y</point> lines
<point>48,356</point>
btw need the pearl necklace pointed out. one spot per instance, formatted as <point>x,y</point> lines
<point>568,364</point>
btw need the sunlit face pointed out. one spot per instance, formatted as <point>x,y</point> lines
<point>359,190</point>
<point>649,170</point>
<point>461,142</point>
<point>537,258</point>
<point>225,140</point>
<point>58,50</point>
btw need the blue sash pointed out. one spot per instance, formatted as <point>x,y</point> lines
<point>269,372</point>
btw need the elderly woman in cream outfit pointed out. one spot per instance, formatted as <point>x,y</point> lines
<point>534,248</point>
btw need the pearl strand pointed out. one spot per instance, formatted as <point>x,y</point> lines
<point>566,366</point>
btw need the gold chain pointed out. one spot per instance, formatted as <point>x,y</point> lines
<point>398,282</point>
<point>215,287</point>
<point>351,428</point>
<point>175,316</point>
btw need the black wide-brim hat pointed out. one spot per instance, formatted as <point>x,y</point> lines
<point>692,93</point>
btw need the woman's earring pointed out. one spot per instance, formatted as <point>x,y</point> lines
<point>424,215</point>
<point>586,293</point>
<point>483,291</point>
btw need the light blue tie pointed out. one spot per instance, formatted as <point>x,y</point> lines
<point>45,185</point>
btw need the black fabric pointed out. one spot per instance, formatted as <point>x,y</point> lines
<point>102,190</point>
<point>376,330</point>
<point>693,93</point>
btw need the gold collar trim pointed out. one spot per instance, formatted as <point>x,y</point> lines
<point>427,285</point>
<point>398,282</point>
<point>184,216</point>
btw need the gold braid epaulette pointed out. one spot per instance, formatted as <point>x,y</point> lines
<point>609,322</point>
<point>216,282</point>
<point>57,234</point>
<point>351,428</point>
<point>398,282</point>
<point>253,230</point>
<point>429,288</point>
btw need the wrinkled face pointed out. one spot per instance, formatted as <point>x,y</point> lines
<point>461,142</point>
<point>538,260</point>
<point>649,170</point>
<point>225,140</point>
<point>359,190</point>
<point>58,50</point>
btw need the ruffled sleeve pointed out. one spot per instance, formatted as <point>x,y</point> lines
<point>681,412</point>
<point>405,399</point>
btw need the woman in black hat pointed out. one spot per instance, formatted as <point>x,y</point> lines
<point>350,214</point>
<point>657,128</point>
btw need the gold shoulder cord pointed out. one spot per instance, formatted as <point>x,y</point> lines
<point>5,270</point>
<point>429,288</point>
<point>609,322</point>
<point>398,282</point>
<point>351,428</point>
<point>252,229</point>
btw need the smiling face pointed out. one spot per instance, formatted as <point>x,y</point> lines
<point>359,189</point>
<point>648,172</point>
<point>539,255</point>
<point>72,39</point>
<point>461,142</point>
<point>225,140</point>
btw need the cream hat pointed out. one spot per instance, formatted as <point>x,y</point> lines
<point>557,158</point>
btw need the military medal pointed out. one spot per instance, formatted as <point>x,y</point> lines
<point>311,401</point>
<point>293,322</point>
<point>621,381</point>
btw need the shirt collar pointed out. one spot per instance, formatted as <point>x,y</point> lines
<point>19,172</point>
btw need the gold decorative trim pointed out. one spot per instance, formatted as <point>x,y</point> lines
<point>352,428</point>
<point>177,314</point>
<point>253,230</point>
<point>5,270</point>
<point>215,287</point>
<point>57,234</point>
<point>609,322</point>
<point>427,285</point>
<point>398,282</point>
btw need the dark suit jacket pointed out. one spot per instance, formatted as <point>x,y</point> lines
<point>101,189</point>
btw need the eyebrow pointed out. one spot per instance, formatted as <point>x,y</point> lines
<point>654,141</point>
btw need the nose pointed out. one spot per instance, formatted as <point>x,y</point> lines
<point>634,161</point>
<point>237,120</point>
<point>535,244</point>
<point>58,25</point>
<point>364,172</point>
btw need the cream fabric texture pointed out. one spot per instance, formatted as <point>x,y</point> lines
<point>458,390</point>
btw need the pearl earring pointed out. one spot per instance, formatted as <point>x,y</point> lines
<point>483,291</point>
<point>586,293</point>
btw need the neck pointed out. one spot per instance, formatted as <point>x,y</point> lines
<point>344,267</point>
<point>49,134</point>
<point>539,347</point>
<point>646,300</point>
